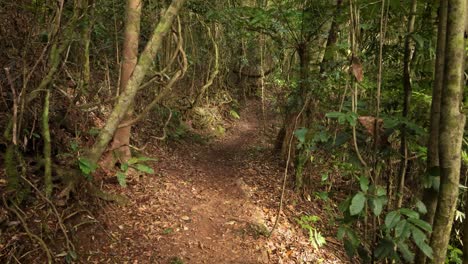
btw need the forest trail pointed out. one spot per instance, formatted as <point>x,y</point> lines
<point>206,203</point>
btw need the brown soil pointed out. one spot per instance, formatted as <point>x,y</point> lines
<point>208,203</point>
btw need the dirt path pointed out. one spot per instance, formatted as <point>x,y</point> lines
<point>206,204</point>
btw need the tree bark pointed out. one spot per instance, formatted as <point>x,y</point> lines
<point>430,194</point>
<point>120,146</point>
<point>452,123</point>
<point>331,39</point>
<point>127,98</point>
<point>409,46</point>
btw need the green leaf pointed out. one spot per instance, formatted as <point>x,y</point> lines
<point>391,122</point>
<point>352,118</point>
<point>334,115</point>
<point>135,160</point>
<point>343,206</point>
<point>234,114</point>
<point>122,179</point>
<point>418,39</point>
<point>409,213</point>
<point>421,207</point>
<point>402,229</point>
<point>341,232</point>
<point>349,248</point>
<point>132,161</point>
<point>392,219</point>
<point>420,240</point>
<point>405,252</point>
<point>357,203</point>
<point>384,249</point>
<point>421,224</point>
<point>301,134</point>
<point>86,166</point>
<point>381,191</point>
<point>364,182</point>
<point>144,168</point>
<point>124,167</point>
<point>377,204</point>
<point>418,235</point>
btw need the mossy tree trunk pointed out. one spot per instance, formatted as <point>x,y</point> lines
<point>430,193</point>
<point>451,129</point>
<point>127,98</point>
<point>120,146</point>
<point>87,13</point>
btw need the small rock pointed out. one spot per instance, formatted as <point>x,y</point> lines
<point>185,218</point>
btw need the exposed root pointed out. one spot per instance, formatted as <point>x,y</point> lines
<point>31,235</point>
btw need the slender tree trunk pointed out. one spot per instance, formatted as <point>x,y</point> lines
<point>332,38</point>
<point>120,146</point>
<point>452,123</point>
<point>430,193</point>
<point>406,101</point>
<point>127,98</point>
<point>86,11</point>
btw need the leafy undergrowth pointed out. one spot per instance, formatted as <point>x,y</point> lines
<point>204,203</point>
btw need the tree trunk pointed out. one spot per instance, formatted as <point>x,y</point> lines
<point>452,123</point>
<point>430,193</point>
<point>406,101</point>
<point>290,121</point>
<point>127,98</point>
<point>120,146</point>
<point>331,39</point>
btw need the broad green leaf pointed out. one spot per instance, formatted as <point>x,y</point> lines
<point>426,249</point>
<point>234,114</point>
<point>124,167</point>
<point>421,224</point>
<point>421,207</point>
<point>391,122</point>
<point>392,219</point>
<point>349,248</point>
<point>341,232</point>
<point>405,252</point>
<point>132,161</point>
<point>357,203</point>
<point>418,39</point>
<point>377,204</point>
<point>86,166</point>
<point>353,237</point>
<point>402,229</point>
<point>343,206</point>
<point>144,168</point>
<point>334,114</point>
<point>420,240</point>
<point>418,235</point>
<point>301,134</point>
<point>381,191</point>
<point>352,118</point>
<point>384,249</point>
<point>364,182</point>
<point>122,179</point>
<point>409,213</point>
<point>135,160</point>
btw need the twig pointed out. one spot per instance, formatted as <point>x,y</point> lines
<point>26,228</point>
<point>70,245</point>
<point>165,126</point>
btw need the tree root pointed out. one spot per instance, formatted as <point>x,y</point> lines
<point>32,236</point>
<point>106,196</point>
